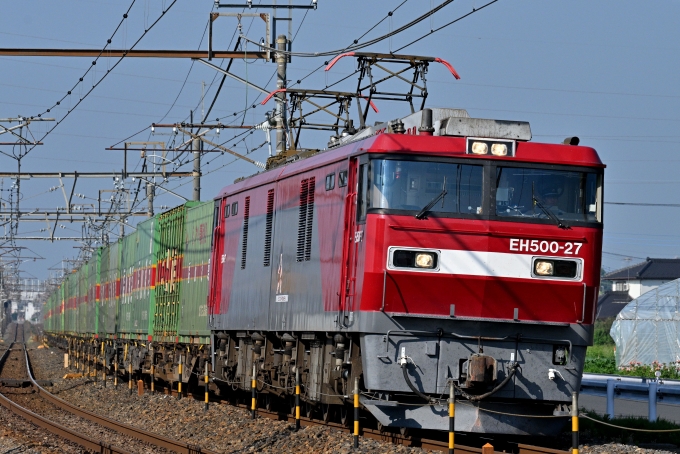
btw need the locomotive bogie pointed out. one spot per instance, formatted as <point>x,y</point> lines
<point>326,362</point>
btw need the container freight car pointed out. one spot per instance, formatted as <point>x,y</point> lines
<point>143,299</point>
<point>431,251</point>
<point>109,277</point>
<point>93,290</point>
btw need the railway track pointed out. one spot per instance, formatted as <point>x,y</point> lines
<point>89,430</point>
<point>413,439</point>
<point>408,440</point>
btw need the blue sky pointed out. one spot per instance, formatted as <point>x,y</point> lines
<point>605,71</point>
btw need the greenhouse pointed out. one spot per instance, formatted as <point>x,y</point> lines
<point>647,330</point>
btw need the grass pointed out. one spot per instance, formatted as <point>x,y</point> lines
<point>600,358</point>
<point>594,431</point>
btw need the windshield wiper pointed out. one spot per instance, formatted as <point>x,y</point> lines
<point>432,203</point>
<point>550,214</point>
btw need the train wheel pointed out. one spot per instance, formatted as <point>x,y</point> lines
<point>403,431</point>
<point>292,406</point>
<point>344,415</point>
<point>268,402</point>
<point>309,410</point>
<point>326,410</point>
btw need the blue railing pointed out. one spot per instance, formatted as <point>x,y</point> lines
<point>633,388</point>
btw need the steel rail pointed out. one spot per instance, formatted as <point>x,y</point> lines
<point>53,427</point>
<point>125,429</point>
<point>396,438</point>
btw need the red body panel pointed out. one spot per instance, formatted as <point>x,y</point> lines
<point>475,296</point>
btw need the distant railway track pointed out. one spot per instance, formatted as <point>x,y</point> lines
<point>15,364</point>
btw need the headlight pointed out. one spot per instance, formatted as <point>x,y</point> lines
<point>479,148</point>
<point>496,147</point>
<point>499,149</point>
<point>413,259</point>
<point>424,260</point>
<point>568,269</point>
<point>544,267</point>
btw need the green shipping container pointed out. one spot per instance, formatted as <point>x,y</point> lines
<point>71,299</point>
<point>93,289</point>
<point>48,315</point>
<point>169,257</point>
<point>81,275</point>
<point>61,311</point>
<point>137,301</point>
<point>110,289</point>
<point>82,299</point>
<point>193,324</point>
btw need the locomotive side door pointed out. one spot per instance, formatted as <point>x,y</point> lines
<point>358,174</point>
<point>215,277</point>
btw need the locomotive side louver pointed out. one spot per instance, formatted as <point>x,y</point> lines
<point>305,219</point>
<point>310,218</point>
<point>268,228</point>
<point>244,246</point>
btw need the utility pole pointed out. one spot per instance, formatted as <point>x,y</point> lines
<point>150,190</point>
<point>281,62</point>
<point>196,147</point>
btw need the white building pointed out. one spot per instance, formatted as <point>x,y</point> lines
<point>635,280</point>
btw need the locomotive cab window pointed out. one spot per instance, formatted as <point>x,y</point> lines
<point>448,188</point>
<point>342,179</point>
<point>234,208</point>
<point>561,195</point>
<point>330,181</point>
<point>362,204</point>
<point>226,210</point>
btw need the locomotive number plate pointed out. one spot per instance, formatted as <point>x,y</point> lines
<point>543,246</point>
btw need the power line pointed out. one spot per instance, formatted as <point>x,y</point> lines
<point>623,255</point>
<point>644,204</point>
<point>94,62</point>
<point>474,10</point>
<point>108,71</point>
<point>389,14</point>
<point>356,45</point>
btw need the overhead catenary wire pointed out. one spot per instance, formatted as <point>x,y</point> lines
<point>351,47</point>
<point>474,10</point>
<point>356,45</point>
<point>94,62</point>
<point>108,71</point>
<point>243,111</point>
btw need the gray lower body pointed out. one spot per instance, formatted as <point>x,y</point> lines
<point>438,351</point>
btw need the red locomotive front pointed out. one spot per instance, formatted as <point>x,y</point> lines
<point>466,236</point>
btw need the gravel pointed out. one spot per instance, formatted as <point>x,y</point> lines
<point>626,449</point>
<point>223,428</point>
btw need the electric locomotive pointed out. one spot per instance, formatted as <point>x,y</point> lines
<point>429,250</point>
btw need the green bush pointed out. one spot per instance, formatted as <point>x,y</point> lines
<point>602,328</point>
<point>600,365</point>
<point>669,371</point>
<point>600,360</point>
